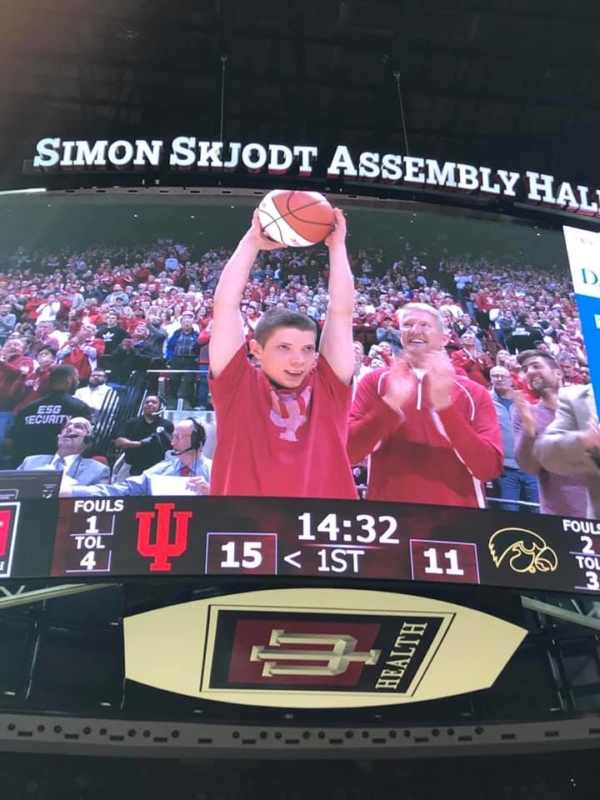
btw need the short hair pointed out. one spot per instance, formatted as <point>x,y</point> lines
<point>427,309</point>
<point>61,374</point>
<point>277,318</point>
<point>47,348</point>
<point>527,354</point>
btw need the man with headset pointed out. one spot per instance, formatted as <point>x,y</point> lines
<point>187,473</point>
<point>145,440</point>
<point>72,442</point>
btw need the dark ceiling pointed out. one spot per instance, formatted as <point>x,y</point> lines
<point>503,83</point>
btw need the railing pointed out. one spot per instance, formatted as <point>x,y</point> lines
<point>119,405</point>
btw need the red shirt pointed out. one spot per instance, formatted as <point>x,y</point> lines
<point>477,366</point>
<point>280,443</point>
<point>33,387</point>
<point>10,381</point>
<point>426,456</point>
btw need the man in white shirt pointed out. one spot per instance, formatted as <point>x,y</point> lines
<point>47,311</point>
<point>96,392</point>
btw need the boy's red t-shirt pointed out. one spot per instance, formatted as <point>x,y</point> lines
<point>277,442</point>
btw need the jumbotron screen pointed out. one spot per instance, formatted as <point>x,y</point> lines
<point>408,399</point>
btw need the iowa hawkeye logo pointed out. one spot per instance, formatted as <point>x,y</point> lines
<point>525,551</point>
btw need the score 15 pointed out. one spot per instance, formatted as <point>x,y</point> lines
<point>241,554</point>
<point>453,562</point>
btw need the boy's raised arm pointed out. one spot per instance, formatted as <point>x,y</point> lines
<point>336,339</point>
<point>227,326</point>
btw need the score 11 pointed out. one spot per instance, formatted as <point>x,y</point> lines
<point>455,562</point>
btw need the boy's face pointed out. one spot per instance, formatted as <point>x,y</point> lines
<point>287,356</point>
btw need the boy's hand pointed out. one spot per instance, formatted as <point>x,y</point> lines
<point>257,238</point>
<point>338,234</point>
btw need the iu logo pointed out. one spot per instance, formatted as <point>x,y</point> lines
<point>341,653</point>
<point>164,545</point>
<point>8,529</point>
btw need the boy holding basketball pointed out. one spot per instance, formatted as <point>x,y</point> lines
<point>281,428</point>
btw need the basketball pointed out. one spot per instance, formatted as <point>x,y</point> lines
<point>296,219</point>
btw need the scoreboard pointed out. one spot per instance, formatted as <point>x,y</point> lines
<point>296,538</point>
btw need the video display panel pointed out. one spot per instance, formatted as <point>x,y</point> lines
<point>463,334</point>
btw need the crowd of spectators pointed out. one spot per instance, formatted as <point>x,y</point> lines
<point>111,311</point>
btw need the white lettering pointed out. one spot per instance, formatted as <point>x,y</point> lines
<point>341,163</point>
<point>210,154</point>
<point>147,153</point>
<point>47,155</point>
<point>540,187</point>
<point>468,177</point>
<point>67,157</point>
<point>120,153</point>
<point>510,180</point>
<point>413,169</point>
<point>281,159</point>
<point>87,156</point>
<point>368,165</point>
<point>566,197</point>
<point>254,157</point>
<point>391,167</point>
<point>444,177</point>
<point>307,155</point>
<point>486,185</point>
<point>182,151</point>
<point>585,206</point>
<point>235,149</point>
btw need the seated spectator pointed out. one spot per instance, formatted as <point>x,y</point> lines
<point>72,443</point>
<point>96,393</point>
<point>145,439</point>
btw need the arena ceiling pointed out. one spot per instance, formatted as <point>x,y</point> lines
<point>494,82</point>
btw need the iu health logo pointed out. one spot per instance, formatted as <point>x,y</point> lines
<point>335,655</point>
<point>310,651</point>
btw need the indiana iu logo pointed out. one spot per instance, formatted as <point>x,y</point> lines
<point>289,413</point>
<point>164,544</point>
<point>334,661</point>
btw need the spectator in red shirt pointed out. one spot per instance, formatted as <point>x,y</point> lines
<point>475,362</point>
<point>13,365</point>
<point>82,351</point>
<point>35,385</point>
